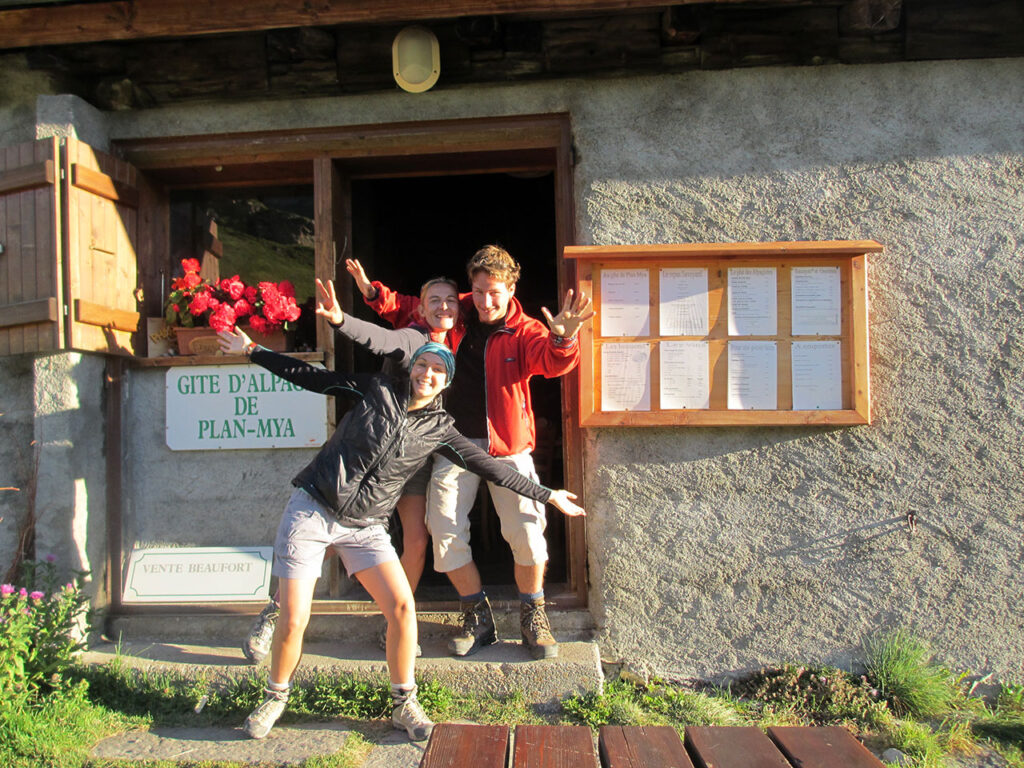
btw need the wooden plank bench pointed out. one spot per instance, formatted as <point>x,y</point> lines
<point>553,746</point>
<point>733,747</point>
<point>455,745</point>
<point>656,746</point>
<point>824,747</point>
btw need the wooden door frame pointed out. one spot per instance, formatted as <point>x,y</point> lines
<point>329,158</point>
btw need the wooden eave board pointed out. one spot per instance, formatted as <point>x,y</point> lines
<point>103,21</point>
<point>358,142</point>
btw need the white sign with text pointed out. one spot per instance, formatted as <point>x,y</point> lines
<point>198,574</point>
<point>240,406</point>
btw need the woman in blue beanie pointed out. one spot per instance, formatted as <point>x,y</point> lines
<point>344,497</point>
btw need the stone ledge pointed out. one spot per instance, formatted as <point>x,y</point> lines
<point>227,629</point>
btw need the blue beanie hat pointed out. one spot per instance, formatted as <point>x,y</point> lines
<point>441,351</point>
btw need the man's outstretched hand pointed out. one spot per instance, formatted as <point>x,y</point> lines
<point>574,313</point>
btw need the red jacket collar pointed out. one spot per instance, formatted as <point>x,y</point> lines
<point>515,316</point>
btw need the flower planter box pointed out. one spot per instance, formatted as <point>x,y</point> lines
<point>203,341</point>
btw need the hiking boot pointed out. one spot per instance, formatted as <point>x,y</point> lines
<point>537,637</point>
<point>261,635</point>
<point>408,714</point>
<point>262,719</point>
<point>477,629</point>
<point>382,640</point>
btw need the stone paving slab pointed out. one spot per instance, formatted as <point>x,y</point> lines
<point>286,745</point>
<point>394,750</point>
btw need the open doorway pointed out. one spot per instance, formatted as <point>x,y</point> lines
<point>408,230</point>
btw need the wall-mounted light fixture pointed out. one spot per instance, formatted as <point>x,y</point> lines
<point>416,59</point>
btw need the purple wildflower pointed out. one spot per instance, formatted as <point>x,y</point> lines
<point>37,595</point>
<point>6,589</point>
<point>51,558</point>
<point>23,592</point>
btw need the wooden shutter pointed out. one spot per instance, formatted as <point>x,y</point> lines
<point>101,263</point>
<point>31,300</point>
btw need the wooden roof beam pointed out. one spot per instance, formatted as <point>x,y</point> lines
<point>135,19</point>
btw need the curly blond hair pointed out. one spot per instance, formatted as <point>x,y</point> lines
<point>496,262</point>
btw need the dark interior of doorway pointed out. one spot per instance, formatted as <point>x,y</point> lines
<point>408,230</point>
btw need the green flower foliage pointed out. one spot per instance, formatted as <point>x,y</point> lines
<point>823,695</point>
<point>39,630</point>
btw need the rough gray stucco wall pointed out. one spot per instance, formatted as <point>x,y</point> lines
<point>52,424</point>
<point>70,116</point>
<point>754,546</point>
<point>71,496</point>
<point>714,550</point>
<point>16,435</point>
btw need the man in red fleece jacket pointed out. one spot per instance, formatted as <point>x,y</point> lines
<point>498,348</point>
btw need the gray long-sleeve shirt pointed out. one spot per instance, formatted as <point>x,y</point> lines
<point>394,344</point>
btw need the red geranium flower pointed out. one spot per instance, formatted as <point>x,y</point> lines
<point>234,287</point>
<point>223,318</point>
<point>200,303</point>
<point>242,308</point>
<point>259,324</point>
<point>194,301</point>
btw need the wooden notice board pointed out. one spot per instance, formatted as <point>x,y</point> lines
<point>725,334</point>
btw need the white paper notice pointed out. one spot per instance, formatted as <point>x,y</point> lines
<point>625,377</point>
<point>817,376</point>
<point>753,375</point>
<point>625,302</point>
<point>684,302</point>
<point>685,382</point>
<point>753,308</point>
<point>816,309</point>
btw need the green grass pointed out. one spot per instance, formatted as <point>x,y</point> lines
<point>60,729</point>
<point>624,703</point>
<point>901,667</point>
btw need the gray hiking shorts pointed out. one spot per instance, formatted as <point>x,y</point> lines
<point>307,530</point>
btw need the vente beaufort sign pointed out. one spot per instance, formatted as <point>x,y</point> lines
<point>240,406</point>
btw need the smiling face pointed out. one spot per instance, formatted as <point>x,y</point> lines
<point>439,306</point>
<point>491,297</point>
<point>428,376</point>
